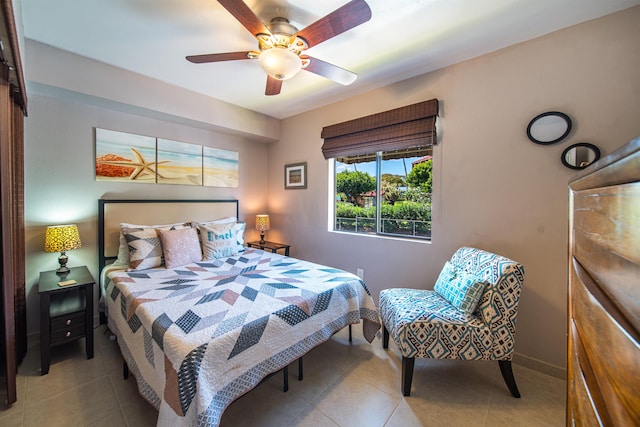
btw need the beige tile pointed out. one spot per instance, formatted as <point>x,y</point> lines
<point>349,401</point>
<point>68,369</point>
<point>447,392</point>
<point>323,365</point>
<point>382,369</point>
<point>444,381</point>
<point>111,358</point>
<point>137,411</point>
<point>345,384</point>
<point>116,418</point>
<point>265,405</point>
<point>31,362</point>
<point>12,417</point>
<point>405,416</point>
<point>79,406</point>
<point>542,402</point>
<point>312,417</point>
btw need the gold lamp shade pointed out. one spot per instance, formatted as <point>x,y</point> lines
<point>262,225</point>
<point>62,238</point>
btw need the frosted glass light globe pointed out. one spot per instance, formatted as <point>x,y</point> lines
<point>280,63</point>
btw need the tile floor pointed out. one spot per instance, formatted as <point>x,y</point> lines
<point>344,384</point>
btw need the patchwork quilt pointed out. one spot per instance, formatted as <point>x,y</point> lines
<point>199,336</point>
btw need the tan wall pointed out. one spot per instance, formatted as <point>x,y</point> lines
<point>60,185</point>
<point>493,188</point>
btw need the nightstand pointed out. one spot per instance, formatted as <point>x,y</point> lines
<point>66,312</point>
<point>272,246</point>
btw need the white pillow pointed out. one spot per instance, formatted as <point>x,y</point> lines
<point>221,240</point>
<point>239,228</point>
<point>224,220</point>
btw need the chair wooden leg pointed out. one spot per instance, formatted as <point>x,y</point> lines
<point>385,337</point>
<point>407,374</point>
<point>350,337</point>
<point>507,374</point>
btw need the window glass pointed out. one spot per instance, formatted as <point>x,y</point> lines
<point>355,195</point>
<point>386,193</point>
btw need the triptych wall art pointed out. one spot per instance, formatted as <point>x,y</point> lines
<point>125,157</point>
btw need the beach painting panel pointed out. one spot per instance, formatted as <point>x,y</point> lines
<point>125,157</point>
<point>220,167</point>
<point>179,163</point>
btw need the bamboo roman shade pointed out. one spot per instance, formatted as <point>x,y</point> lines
<point>400,130</point>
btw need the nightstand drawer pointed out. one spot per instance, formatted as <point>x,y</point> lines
<point>67,321</point>
<point>62,336</point>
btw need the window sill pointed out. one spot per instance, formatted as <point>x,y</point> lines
<point>383,236</point>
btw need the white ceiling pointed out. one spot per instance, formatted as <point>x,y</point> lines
<point>404,38</point>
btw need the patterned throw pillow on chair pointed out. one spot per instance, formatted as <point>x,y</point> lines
<point>460,289</point>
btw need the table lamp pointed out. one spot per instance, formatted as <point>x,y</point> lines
<point>262,225</point>
<point>62,238</point>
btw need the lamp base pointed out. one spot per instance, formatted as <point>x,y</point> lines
<point>62,259</point>
<point>262,238</point>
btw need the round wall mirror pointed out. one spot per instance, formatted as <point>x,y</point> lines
<point>580,155</point>
<point>549,127</point>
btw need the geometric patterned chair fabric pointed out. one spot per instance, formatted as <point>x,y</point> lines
<point>424,324</point>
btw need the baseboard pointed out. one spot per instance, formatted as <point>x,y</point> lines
<point>33,340</point>
<point>540,366</point>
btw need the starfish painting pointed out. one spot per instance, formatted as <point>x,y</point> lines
<point>140,164</point>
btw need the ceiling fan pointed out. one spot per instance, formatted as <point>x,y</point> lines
<point>281,45</point>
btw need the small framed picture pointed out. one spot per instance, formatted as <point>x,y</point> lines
<point>295,176</point>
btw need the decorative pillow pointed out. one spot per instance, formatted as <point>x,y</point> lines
<point>224,220</point>
<point>460,289</point>
<point>239,231</point>
<point>123,249</point>
<point>145,250</point>
<point>180,247</point>
<point>218,240</point>
<point>448,274</point>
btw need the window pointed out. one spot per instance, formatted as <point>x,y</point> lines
<point>385,193</point>
<point>383,165</point>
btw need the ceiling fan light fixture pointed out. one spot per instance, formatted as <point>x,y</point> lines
<point>280,63</point>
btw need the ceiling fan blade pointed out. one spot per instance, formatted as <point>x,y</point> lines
<point>245,16</point>
<point>273,86</point>
<point>330,71</point>
<point>217,57</point>
<point>350,15</point>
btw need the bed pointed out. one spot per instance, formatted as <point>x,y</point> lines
<point>199,335</point>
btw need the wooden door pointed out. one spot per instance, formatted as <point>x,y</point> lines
<point>13,103</point>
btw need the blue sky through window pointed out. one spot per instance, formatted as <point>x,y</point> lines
<point>395,166</point>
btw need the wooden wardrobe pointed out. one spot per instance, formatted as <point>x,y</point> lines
<point>603,385</point>
<point>13,107</point>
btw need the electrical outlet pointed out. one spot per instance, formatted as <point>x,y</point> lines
<point>360,273</point>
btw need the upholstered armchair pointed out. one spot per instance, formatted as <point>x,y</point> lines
<point>470,315</point>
